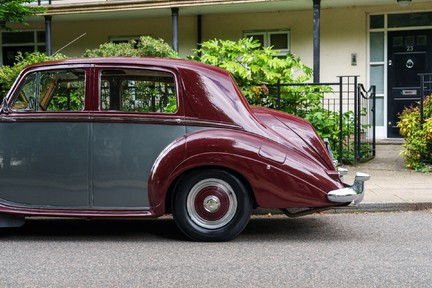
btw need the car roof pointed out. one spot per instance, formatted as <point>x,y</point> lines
<point>145,61</point>
<point>221,101</point>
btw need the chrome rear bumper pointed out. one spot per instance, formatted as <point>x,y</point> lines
<point>353,193</point>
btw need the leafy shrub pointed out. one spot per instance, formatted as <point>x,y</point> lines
<point>8,74</point>
<point>250,63</point>
<point>145,46</point>
<point>418,137</point>
<point>259,70</point>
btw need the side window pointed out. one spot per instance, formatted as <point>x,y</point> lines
<point>53,90</point>
<point>135,90</point>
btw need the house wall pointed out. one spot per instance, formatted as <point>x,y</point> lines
<point>338,38</point>
<point>343,32</point>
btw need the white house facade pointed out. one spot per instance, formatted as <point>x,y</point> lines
<point>385,44</point>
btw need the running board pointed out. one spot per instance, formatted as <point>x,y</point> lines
<point>11,221</point>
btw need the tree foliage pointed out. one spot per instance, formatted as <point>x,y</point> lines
<point>257,69</point>
<point>146,46</point>
<point>251,64</point>
<point>8,74</point>
<point>16,11</point>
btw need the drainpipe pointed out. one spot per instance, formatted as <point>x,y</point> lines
<point>48,34</point>
<point>174,15</point>
<point>316,40</point>
<point>199,32</point>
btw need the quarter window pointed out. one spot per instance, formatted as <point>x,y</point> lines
<point>135,90</point>
<point>53,90</point>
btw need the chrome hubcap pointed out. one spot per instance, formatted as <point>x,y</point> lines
<point>211,203</point>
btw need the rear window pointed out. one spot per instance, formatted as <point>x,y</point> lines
<point>138,90</point>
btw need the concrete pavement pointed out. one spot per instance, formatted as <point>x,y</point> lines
<point>392,186</point>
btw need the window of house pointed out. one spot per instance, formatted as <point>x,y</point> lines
<point>136,90</point>
<point>53,90</point>
<point>278,39</point>
<point>14,42</point>
<point>410,19</point>
<point>123,39</point>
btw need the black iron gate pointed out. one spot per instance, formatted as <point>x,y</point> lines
<point>426,90</point>
<point>354,105</point>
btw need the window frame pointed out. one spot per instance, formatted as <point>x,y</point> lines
<point>101,68</point>
<point>40,105</point>
<point>266,34</point>
<point>35,43</point>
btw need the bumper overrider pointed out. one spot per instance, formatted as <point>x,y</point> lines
<point>351,193</point>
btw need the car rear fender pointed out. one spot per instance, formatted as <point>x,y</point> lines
<point>276,181</point>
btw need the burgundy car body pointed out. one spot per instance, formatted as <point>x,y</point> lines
<point>132,163</point>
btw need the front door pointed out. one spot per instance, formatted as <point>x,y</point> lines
<point>44,141</point>
<point>409,53</point>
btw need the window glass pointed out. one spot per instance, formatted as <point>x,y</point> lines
<point>410,19</point>
<point>377,46</point>
<point>40,36</point>
<point>379,108</point>
<point>279,41</point>
<point>125,39</point>
<point>54,90</point>
<point>14,42</point>
<point>376,21</point>
<point>377,77</point>
<point>398,41</point>
<point>134,90</point>
<point>421,40</point>
<point>257,36</point>
<point>26,97</point>
<point>17,37</point>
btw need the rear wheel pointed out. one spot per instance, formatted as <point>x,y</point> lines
<point>211,205</point>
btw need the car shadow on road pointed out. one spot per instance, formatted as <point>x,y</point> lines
<point>72,229</point>
<point>306,228</point>
<point>260,228</point>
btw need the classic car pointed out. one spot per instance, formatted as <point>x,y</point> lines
<point>146,137</point>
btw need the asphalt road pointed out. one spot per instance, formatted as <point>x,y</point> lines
<point>323,250</point>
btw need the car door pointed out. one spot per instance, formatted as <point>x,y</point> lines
<point>138,118</point>
<point>44,140</point>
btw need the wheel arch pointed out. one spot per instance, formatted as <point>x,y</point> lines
<point>213,148</point>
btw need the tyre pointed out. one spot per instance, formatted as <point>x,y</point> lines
<point>211,205</point>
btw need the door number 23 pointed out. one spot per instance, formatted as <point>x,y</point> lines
<point>409,48</point>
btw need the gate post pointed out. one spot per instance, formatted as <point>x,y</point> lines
<point>340,119</point>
